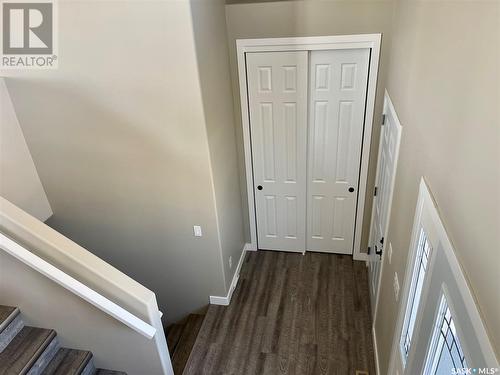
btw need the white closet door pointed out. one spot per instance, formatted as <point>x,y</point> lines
<point>277,92</point>
<point>336,119</point>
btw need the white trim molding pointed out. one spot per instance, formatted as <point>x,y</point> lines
<point>375,350</point>
<point>427,207</point>
<point>250,247</point>
<point>76,287</point>
<point>226,300</point>
<point>371,41</point>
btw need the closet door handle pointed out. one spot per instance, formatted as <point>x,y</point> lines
<point>259,187</point>
<point>351,189</point>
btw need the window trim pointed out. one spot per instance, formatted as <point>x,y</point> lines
<point>426,211</point>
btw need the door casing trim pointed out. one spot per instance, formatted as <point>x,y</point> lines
<point>388,109</point>
<point>371,41</point>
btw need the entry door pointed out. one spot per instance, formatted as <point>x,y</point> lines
<point>390,137</point>
<point>440,331</point>
<point>447,341</point>
<point>277,91</point>
<point>338,87</point>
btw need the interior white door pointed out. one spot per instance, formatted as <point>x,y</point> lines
<point>390,138</point>
<point>338,84</point>
<point>277,94</point>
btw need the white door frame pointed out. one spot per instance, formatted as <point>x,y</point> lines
<point>426,203</point>
<point>371,41</point>
<point>388,110</point>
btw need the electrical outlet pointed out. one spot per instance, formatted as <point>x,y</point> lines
<point>197,231</point>
<point>389,253</point>
<point>396,286</point>
<point>230,262</point>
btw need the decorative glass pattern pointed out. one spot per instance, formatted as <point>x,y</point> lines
<point>448,353</point>
<point>418,276</point>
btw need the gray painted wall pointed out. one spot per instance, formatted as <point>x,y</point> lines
<point>210,34</point>
<point>19,180</point>
<point>118,135</point>
<point>444,81</point>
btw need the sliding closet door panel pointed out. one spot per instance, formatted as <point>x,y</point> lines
<point>336,120</point>
<point>277,93</point>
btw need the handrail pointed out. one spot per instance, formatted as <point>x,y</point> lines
<point>76,287</point>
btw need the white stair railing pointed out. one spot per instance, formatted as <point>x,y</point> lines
<point>91,296</point>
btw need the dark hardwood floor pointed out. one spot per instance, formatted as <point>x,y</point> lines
<point>290,314</point>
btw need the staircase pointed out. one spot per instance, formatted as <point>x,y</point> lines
<point>36,351</point>
<point>181,338</point>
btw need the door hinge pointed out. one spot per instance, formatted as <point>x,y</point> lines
<point>369,250</point>
<point>378,252</point>
<point>375,191</point>
<point>382,240</point>
<point>383,119</point>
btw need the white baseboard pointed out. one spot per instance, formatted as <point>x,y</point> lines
<point>225,300</point>
<point>375,350</point>
<point>364,257</point>
<point>250,247</point>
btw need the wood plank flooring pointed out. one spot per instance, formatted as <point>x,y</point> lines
<point>290,314</point>
<point>24,350</point>
<point>68,361</point>
<point>186,342</point>
<point>5,312</point>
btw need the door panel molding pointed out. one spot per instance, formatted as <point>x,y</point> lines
<point>337,94</point>
<point>390,138</point>
<point>371,41</point>
<point>277,100</point>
